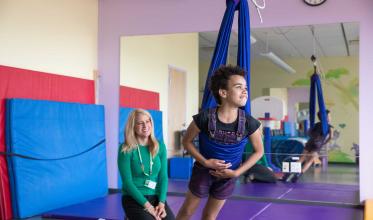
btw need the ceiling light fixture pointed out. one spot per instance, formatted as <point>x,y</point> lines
<point>279,62</point>
<point>275,59</point>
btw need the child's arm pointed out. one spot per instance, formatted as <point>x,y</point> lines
<point>256,141</point>
<point>330,136</point>
<point>190,134</point>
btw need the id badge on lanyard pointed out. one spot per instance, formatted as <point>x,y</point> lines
<point>150,184</point>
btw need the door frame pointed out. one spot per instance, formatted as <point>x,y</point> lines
<point>176,150</point>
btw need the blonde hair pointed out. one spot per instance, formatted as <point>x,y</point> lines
<point>130,142</point>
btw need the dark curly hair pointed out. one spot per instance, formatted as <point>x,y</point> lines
<point>219,80</point>
<point>319,113</point>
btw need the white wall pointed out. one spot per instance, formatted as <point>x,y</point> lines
<point>145,61</point>
<point>50,35</point>
<point>281,93</point>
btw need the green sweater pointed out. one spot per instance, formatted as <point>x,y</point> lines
<point>134,179</point>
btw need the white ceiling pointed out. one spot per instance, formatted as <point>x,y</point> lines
<point>340,39</point>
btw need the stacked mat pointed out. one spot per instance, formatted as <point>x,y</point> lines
<point>56,154</point>
<point>283,148</point>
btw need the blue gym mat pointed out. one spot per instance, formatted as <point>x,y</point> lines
<point>57,154</point>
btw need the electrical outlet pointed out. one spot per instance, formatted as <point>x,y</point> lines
<point>285,167</point>
<point>296,167</point>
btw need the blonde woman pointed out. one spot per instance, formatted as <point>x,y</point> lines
<point>142,163</point>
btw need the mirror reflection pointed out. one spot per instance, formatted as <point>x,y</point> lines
<point>166,74</point>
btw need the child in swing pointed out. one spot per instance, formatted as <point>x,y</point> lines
<point>313,146</point>
<point>223,133</point>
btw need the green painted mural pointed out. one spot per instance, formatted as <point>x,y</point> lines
<point>341,94</point>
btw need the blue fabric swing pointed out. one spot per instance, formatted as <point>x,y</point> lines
<point>208,148</point>
<point>221,49</point>
<point>316,88</point>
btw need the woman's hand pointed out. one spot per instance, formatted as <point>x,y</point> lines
<point>226,173</point>
<point>216,164</point>
<point>150,209</point>
<point>160,210</point>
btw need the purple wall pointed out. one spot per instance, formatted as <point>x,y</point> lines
<point>296,95</point>
<point>128,17</point>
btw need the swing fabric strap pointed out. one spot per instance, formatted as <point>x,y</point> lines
<point>221,48</point>
<point>316,88</point>
<point>230,153</point>
<point>212,119</point>
<point>208,147</point>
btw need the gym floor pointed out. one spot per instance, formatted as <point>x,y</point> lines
<point>331,193</point>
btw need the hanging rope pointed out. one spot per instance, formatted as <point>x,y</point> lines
<point>259,7</point>
<point>318,64</point>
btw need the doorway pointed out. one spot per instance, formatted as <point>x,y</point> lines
<point>176,108</point>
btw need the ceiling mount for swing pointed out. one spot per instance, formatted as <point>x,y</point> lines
<point>313,59</point>
<point>255,3</point>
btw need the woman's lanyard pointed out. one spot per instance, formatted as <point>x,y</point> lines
<point>142,165</point>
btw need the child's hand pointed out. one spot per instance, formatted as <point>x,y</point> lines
<point>216,164</point>
<point>226,173</point>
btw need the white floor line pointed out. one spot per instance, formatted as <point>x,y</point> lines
<point>266,207</point>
